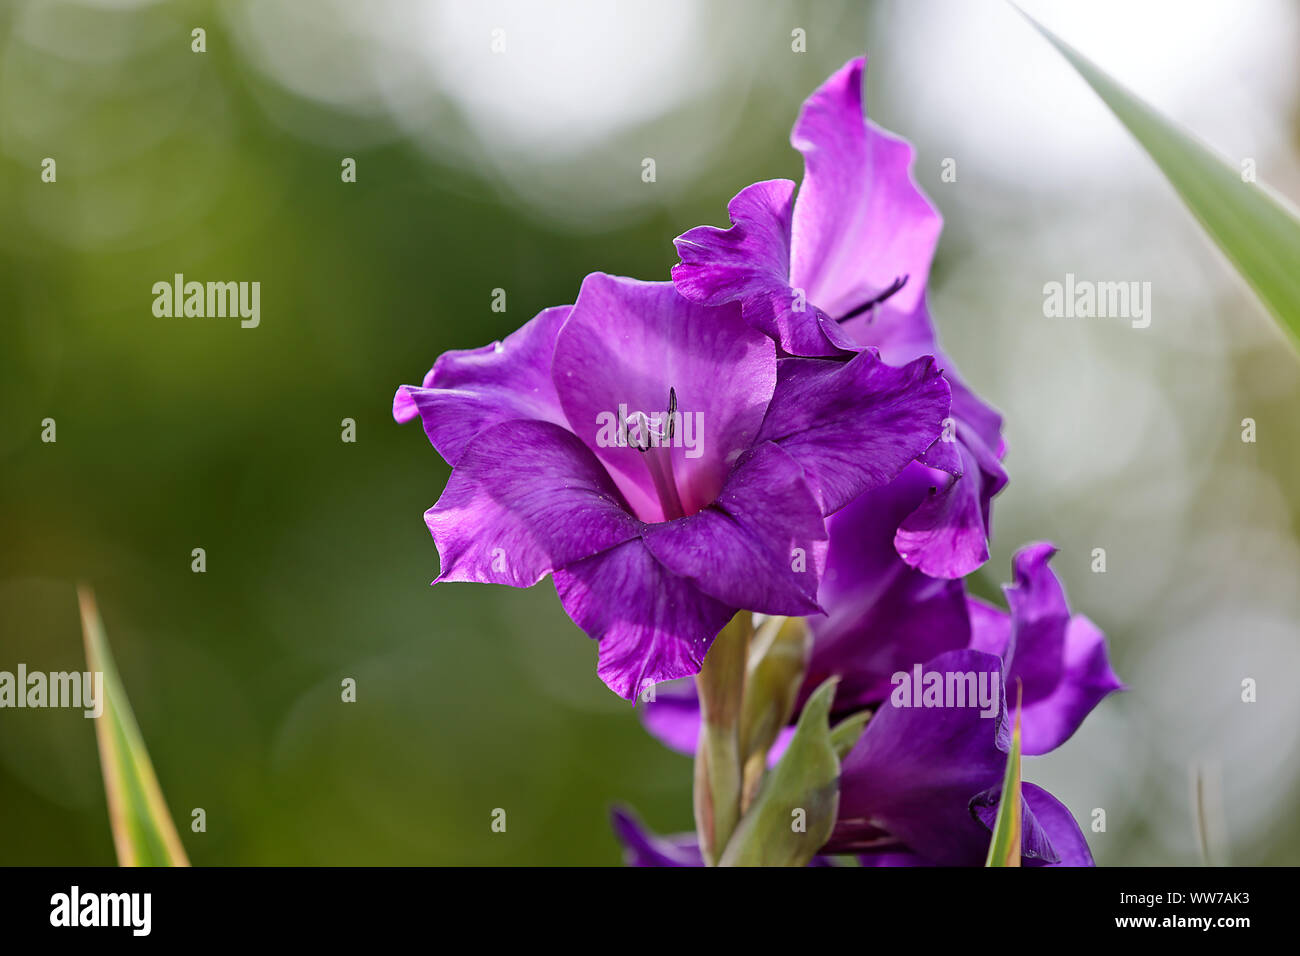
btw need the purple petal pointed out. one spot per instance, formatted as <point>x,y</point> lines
<point>468,391</point>
<point>981,421</point>
<point>860,221</point>
<point>1049,834</point>
<point>854,425</point>
<point>893,858</point>
<point>1058,823</point>
<point>915,769</point>
<point>798,326</point>
<point>990,629</point>
<point>760,545</point>
<point>643,848</point>
<point>1060,659</point>
<point>1086,681</point>
<point>881,616</point>
<point>1039,617</point>
<point>723,265</point>
<point>943,455</point>
<point>627,343</point>
<point>750,263</point>
<point>1034,841</point>
<point>672,716</point>
<point>652,625</point>
<point>901,334</point>
<point>526,498</point>
<point>947,535</point>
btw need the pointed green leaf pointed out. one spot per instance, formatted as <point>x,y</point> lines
<point>794,813</point>
<point>1004,848</point>
<point>1257,229</point>
<point>143,832</point>
<point>845,734</point>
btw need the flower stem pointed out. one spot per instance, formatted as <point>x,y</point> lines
<point>778,659</point>
<point>719,776</point>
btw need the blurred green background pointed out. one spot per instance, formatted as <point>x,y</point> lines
<point>521,169</point>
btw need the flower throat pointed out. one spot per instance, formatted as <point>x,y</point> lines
<point>654,442</point>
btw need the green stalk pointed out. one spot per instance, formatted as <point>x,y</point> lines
<point>778,658</point>
<point>718,771</point>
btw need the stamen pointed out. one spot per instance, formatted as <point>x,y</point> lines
<point>659,458</point>
<point>893,288</point>
<point>643,432</point>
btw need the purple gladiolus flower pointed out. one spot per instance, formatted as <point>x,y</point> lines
<point>842,267</point>
<point>921,788</point>
<point>661,463</point>
<point>922,784</point>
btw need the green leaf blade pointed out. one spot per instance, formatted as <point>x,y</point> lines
<point>143,831</point>
<point>1258,230</point>
<point>845,734</point>
<point>1004,847</point>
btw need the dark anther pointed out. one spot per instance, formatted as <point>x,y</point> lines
<point>894,287</point>
<point>672,412</point>
<point>648,432</point>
